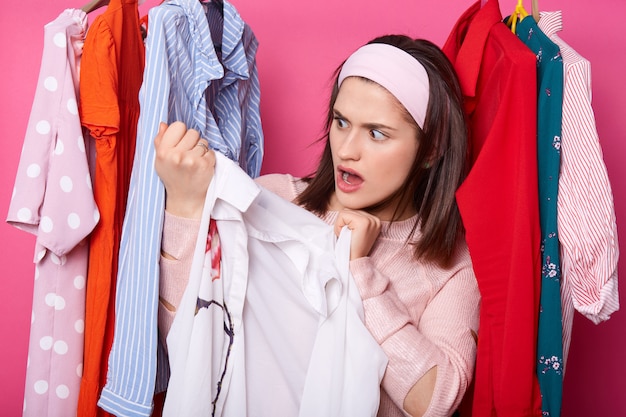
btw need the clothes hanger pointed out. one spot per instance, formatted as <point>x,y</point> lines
<point>534,10</point>
<point>519,14</point>
<point>94,5</point>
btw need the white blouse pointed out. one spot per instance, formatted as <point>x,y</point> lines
<point>282,326</point>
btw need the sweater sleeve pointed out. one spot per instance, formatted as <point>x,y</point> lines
<point>284,185</point>
<point>177,247</point>
<point>442,337</point>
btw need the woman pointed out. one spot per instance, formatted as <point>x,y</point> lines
<point>395,153</point>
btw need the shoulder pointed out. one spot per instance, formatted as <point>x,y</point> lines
<point>459,272</point>
<point>461,261</point>
<point>284,185</point>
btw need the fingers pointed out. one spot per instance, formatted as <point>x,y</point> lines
<point>159,137</point>
<point>203,144</point>
<point>340,223</point>
<point>355,219</point>
<point>176,136</point>
<point>185,165</point>
<point>180,152</point>
<point>175,141</point>
<point>365,230</point>
<point>210,156</point>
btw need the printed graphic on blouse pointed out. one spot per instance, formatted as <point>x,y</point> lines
<point>212,262</point>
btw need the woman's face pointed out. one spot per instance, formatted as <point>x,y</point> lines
<point>373,147</point>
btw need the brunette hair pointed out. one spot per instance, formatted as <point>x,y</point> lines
<point>440,165</point>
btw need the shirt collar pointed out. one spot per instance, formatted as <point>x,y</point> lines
<point>233,51</point>
<point>472,31</point>
<point>226,173</point>
<point>207,65</point>
<point>551,22</point>
<point>305,239</point>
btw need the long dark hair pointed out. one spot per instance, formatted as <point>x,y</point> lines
<point>440,165</point>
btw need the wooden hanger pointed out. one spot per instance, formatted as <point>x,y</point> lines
<point>534,10</point>
<point>94,5</point>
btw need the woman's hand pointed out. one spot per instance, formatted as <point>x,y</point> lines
<point>365,230</point>
<point>186,166</point>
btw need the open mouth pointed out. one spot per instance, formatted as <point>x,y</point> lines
<point>350,178</point>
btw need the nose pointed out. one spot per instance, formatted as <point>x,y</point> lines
<point>349,145</point>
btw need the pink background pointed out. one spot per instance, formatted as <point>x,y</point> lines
<point>301,44</point>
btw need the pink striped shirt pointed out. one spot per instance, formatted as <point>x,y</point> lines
<point>586,215</point>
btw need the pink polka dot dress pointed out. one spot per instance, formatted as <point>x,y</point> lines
<point>53,199</point>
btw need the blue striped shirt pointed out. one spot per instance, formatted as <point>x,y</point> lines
<point>185,79</point>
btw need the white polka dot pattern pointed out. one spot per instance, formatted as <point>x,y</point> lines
<point>67,184</point>
<point>45,343</point>
<point>63,391</point>
<point>81,147</point>
<point>24,215</point>
<point>59,148</point>
<point>79,326</point>
<point>60,347</point>
<point>33,170</point>
<point>79,282</point>
<point>41,387</point>
<point>43,127</point>
<point>51,84</point>
<point>47,225</point>
<point>60,40</point>
<point>40,255</point>
<point>73,220</point>
<point>72,107</point>
<point>52,200</point>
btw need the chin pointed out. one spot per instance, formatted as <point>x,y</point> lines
<point>351,203</point>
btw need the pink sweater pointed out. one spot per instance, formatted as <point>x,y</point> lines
<point>422,315</point>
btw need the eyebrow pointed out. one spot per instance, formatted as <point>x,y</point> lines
<point>373,126</point>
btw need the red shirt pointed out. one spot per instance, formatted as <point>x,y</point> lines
<point>499,205</point>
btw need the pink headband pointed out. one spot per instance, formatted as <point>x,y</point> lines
<point>394,69</point>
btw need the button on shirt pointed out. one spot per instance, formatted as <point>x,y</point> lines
<point>175,87</point>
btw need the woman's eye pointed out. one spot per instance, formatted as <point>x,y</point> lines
<point>341,122</point>
<point>377,134</point>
